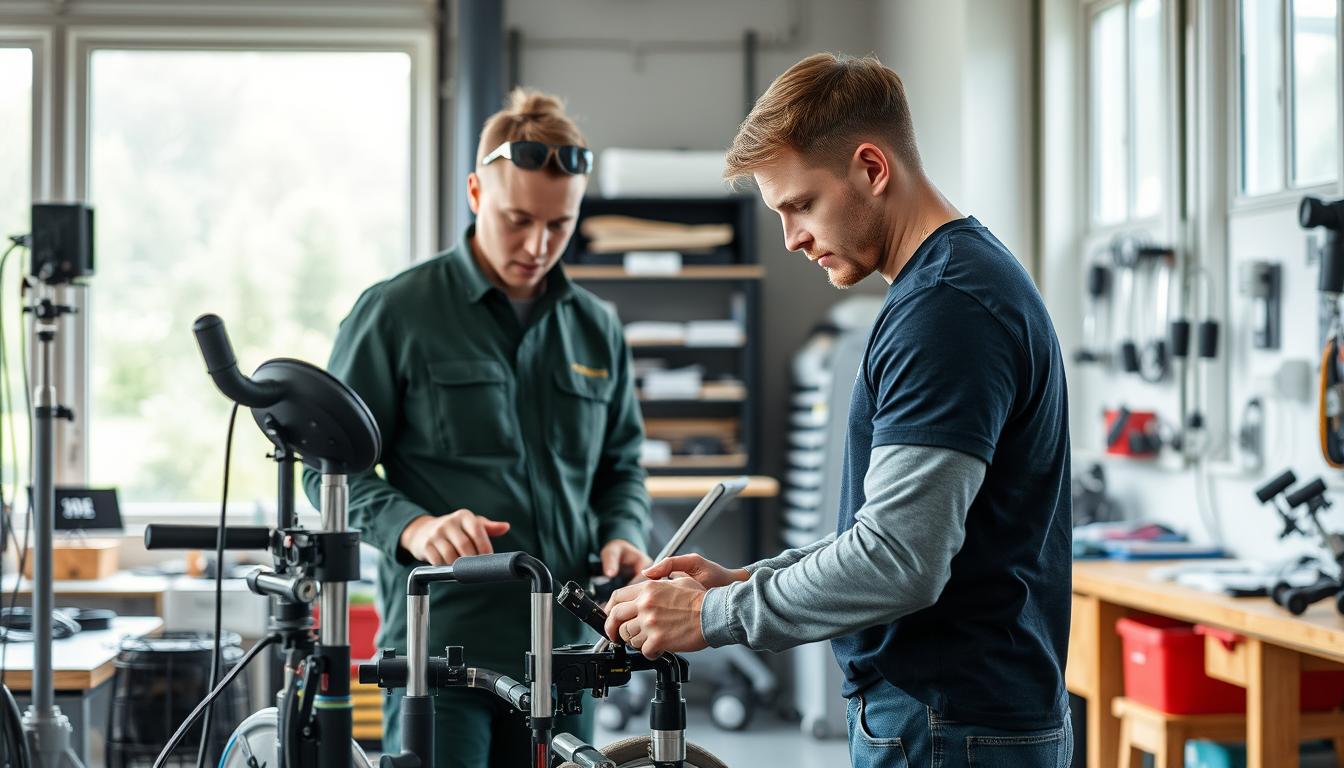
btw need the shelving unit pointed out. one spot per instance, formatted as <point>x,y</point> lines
<point>714,433</point>
<point>702,289</point>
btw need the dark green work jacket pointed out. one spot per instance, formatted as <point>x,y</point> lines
<point>537,426</point>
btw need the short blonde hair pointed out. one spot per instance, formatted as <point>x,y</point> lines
<point>529,115</point>
<point>821,107</point>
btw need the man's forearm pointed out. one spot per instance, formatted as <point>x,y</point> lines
<point>894,561</point>
<point>790,556</point>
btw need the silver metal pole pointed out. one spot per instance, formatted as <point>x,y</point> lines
<point>541,656</point>
<point>44,520</point>
<point>417,642</point>
<point>47,730</point>
<point>335,629</point>
<point>667,746</point>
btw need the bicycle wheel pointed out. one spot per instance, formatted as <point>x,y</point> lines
<point>634,753</point>
<point>254,743</point>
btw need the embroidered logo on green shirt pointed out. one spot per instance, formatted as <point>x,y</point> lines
<point>592,373</point>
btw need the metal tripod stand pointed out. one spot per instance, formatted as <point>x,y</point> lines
<point>47,730</point>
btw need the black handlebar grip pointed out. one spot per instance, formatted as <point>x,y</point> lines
<point>486,569</point>
<point>503,566</point>
<point>1306,493</point>
<point>222,366</point>
<point>160,536</point>
<point>214,343</point>
<point>1275,486</point>
<point>574,599</point>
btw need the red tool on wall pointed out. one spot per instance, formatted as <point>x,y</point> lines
<point>1132,433</point>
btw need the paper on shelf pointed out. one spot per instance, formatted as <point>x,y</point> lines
<point>675,384</point>
<point>652,262</point>
<point>653,332</point>
<point>655,452</point>
<point>713,333</point>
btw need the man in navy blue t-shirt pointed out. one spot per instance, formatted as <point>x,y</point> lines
<point>945,589</point>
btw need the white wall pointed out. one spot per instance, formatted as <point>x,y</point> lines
<point>1227,235</point>
<point>967,70</point>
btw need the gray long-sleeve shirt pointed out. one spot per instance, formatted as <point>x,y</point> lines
<point>893,562</point>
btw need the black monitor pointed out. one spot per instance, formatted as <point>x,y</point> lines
<point>87,509</point>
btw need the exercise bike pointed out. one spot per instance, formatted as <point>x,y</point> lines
<point>309,416</point>
<point>557,678</point>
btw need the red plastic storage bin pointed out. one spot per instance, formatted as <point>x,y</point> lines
<point>1322,690</point>
<point>1164,669</point>
<point>363,630</point>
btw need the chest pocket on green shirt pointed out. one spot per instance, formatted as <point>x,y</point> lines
<point>579,418</point>
<point>471,403</point>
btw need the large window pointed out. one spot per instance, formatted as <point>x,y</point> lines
<point>1288,93</point>
<point>1315,92</point>
<point>1127,97</point>
<point>16,184</point>
<point>269,187</point>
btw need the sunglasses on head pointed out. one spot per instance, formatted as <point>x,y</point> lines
<point>533,155</point>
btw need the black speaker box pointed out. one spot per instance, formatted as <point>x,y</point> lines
<point>62,242</point>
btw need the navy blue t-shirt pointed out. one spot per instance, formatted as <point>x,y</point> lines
<point>964,356</point>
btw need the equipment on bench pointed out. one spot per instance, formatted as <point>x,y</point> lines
<point>1297,598</point>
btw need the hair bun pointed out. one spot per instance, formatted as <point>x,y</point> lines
<point>525,102</point>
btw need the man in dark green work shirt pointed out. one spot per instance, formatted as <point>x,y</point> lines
<point>506,402</point>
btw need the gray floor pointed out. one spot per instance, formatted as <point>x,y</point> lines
<point>767,741</point>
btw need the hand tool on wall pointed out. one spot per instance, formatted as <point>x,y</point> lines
<point>1192,439</point>
<point>1096,347</point>
<point>1314,212</point>
<point>1145,274</point>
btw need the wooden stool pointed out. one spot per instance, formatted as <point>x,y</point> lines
<point>1163,735</point>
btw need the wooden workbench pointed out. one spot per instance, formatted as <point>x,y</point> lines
<point>82,666</point>
<point>81,662</point>
<point>1278,647</point>
<point>693,487</point>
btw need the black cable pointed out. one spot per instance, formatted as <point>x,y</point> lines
<point>28,417</point>
<point>219,587</point>
<point>6,403</point>
<point>13,728</point>
<point>210,697</point>
<point>6,520</point>
<point>21,552</point>
<point>289,715</point>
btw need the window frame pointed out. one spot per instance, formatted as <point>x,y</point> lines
<point>83,41</point>
<point>1289,192</point>
<point>37,40</point>
<point>1157,222</point>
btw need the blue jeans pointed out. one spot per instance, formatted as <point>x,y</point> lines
<point>888,728</point>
